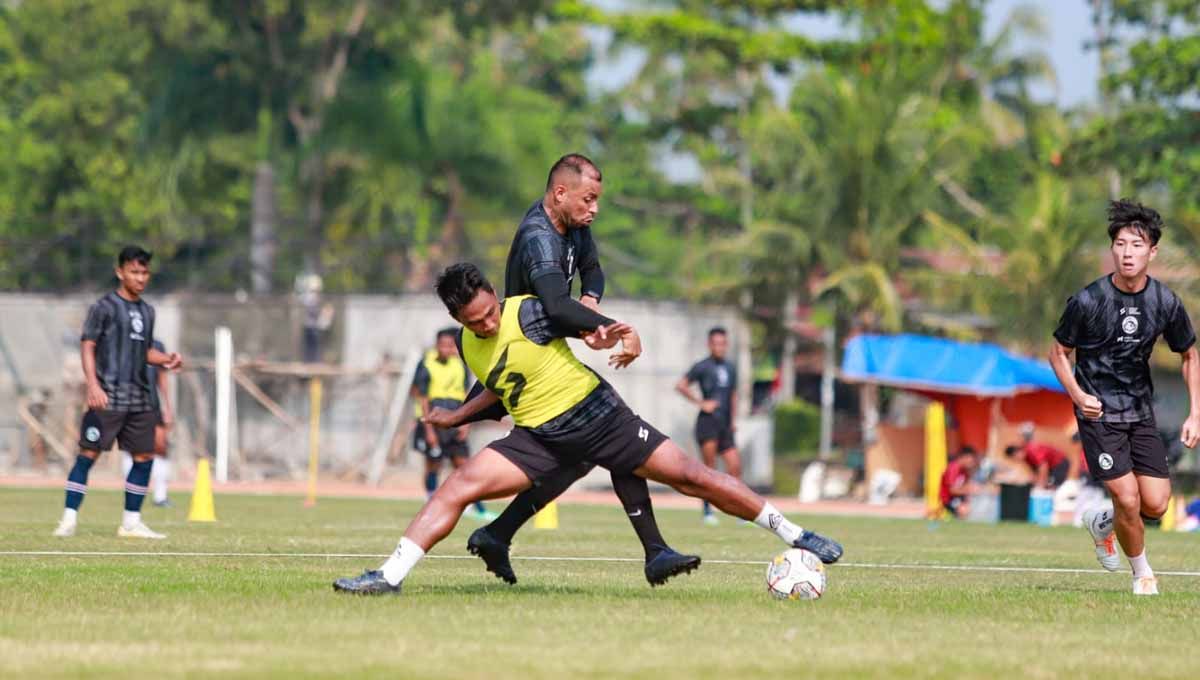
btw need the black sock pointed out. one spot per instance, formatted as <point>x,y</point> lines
<point>528,502</point>
<point>136,485</point>
<point>430,483</point>
<point>77,481</point>
<point>635,497</point>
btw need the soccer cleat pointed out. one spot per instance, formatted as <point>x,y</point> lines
<point>164,503</point>
<point>1145,585</point>
<point>370,582</point>
<point>494,554</point>
<point>669,563</point>
<point>1100,525</point>
<point>826,549</point>
<point>711,520</point>
<point>65,528</point>
<point>485,516</point>
<point>139,530</point>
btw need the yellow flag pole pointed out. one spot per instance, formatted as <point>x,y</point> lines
<point>935,458</point>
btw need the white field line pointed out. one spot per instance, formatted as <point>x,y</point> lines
<point>551,558</point>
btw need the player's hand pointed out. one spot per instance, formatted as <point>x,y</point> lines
<point>1190,434</point>
<point>168,419</point>
<point>606,337</point>
<point>174,361</point>
<point>590,302</point>
<point>440,417</point>
<point>97,400</point>
<point>631,349</point>
<point>709,405</point>
<point>1091,407</point>
<point>461,435</point>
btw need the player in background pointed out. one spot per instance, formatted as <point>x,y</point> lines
<point>160,470</point>
<point>552,244</point>
<point>563,413</point>
<point>116,346</point>
<point>441,381</point>
<point>1109,328</point>
<point>718,404</point>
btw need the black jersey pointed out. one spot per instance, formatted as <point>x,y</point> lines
<point>122,331</point>
<point>537,249</point>
<point>1113,334</point>
<point>717,379</point>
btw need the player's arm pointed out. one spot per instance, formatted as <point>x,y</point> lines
<point>164,401</point>
<point>1190,433</point>
<point>96,398</point>
<point>1043,474</point>
<point>566,314</point>
<point>1064,368</point>
<point>733,399</point>
<point>420,392</point>
<point>169,361</point>
<point>684,388</point>
<point>481,404</point>
<point>591,276</point>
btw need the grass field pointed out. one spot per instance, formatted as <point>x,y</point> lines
<point>244,615</point>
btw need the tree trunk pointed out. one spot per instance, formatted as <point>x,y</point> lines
<point>262,229</point>
<point>787,375</point>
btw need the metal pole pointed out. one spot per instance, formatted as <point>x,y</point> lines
<point>224,378</point>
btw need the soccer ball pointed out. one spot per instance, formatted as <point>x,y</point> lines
<point>796,575</point>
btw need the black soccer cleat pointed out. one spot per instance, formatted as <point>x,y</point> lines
<point>669,563</point>
<point>370,582</point>
<point>494,554</point>
<point>827,549</point>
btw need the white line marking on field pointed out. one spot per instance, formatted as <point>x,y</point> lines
<point>552,558</point>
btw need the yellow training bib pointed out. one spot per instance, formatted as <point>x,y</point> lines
<point>537,383</point>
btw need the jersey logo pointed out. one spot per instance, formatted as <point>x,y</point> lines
<point>1129,325</point>
<point>92,434</point>
<point>517,381</point>
<point>1106,461</point>
<point>643,434</point>
<point>135,322</point>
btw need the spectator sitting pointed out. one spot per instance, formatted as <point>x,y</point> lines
<point>1050,466</point>
<point>957,482</point>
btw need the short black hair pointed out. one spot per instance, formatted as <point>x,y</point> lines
<point>1010,451</point>
<point>573,162</point>
<point>446,332</point>
<point>1126,214</point>
<point>717,330</point>
<point>134,254</point>
<point>458,284</point>
<point>968,451</point>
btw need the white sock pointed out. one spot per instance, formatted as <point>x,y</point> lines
<point>1141,566</point>
<point>772,520</point>
<point>70,515</point>
<point>159,473</point>
<point>126,463</point>
<point>130,519</point>
<point>402,561</point>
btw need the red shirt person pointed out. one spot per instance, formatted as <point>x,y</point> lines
<point>957,482</point>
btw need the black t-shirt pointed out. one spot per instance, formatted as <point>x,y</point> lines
<point>122,331</point>
<point>537,249</point>
<point>718,380</point>
<point>1113,334</point>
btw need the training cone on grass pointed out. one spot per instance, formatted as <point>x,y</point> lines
<point>202,496</point>
<point>547,517</point>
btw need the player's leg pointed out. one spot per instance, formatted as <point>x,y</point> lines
<point>137,436</point>
<point>1106,449</point>
<point>487,475</point>
<point>458,457</point>
<point>96,433</point>
<point>160,471</point>
<point>432,467</point>
<point>708,452</point>
<point>662,562</point>
<point>670,465</point>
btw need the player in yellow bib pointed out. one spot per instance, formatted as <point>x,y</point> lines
<point>441,381</point>
<point>564,414</point>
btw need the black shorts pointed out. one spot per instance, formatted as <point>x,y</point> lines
<point>709,427</point>
<point>448,443</point>
<point>133,431</point>
<point>620,442</point>
<point>1116,449</point>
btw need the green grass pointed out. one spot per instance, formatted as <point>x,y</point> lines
<point>277,616</point>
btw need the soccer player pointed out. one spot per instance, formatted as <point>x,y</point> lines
<point>553,242</point>
<point>441,381</point>
<point>718,403</point>
<point>564,413</point>
<point>116,347</point>
<point>957,483</point>
<point>1111,327</point>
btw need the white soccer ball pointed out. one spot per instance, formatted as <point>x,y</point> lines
<point>796,575</point>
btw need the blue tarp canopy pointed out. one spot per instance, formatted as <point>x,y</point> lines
<point>919,362</point>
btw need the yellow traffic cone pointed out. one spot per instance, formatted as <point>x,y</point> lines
<point>547,517</point>
<point>202,496</point>
<point>1167,523</point>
